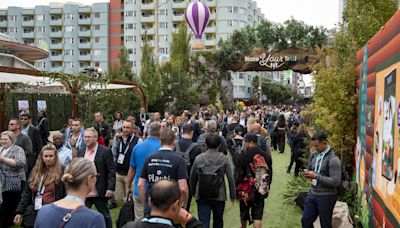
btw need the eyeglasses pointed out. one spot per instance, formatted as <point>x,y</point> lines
<point>24,118</point>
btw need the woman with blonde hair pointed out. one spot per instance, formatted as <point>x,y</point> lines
<point>12,164</point>
<point>250,122</point>
<point>44,186</point>
<point>80,179</point>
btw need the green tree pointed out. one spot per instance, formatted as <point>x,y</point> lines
<point>176,82</point>
<point>149,74</point>
<point>123,70</point>
<point>275,92</point>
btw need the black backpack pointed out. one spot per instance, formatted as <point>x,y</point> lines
<point>185,154</point>
<point>126,213</point>
<point>209,181</point>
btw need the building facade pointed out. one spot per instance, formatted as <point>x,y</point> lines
<point>75,35</point>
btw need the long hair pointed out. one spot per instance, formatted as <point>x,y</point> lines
<point>53,173</point>
<point>302,130</point>
<point>281,121</point>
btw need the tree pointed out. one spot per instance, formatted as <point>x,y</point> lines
<point>176,81</point>
<point>150,77</point>
<point>123,70</point>
<point>275,92</point>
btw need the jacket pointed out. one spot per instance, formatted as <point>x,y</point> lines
<point>105,168</point>
<point>27,197</point>
<point>213,159</point>
<point>192,223</point>
<point>16,153</point>
<point>43,125</point>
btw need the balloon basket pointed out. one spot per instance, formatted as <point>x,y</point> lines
<point>198,45</point>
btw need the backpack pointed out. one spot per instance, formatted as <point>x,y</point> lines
<point>126,213</point>
<point>201,142</point>
<point>185,154</point>
<point>262,175</point>
<point>209,181</point>
<point>245,190</point>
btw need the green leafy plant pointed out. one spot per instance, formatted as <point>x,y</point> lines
<point>295,186</point>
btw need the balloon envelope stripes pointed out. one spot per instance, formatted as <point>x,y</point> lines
<point>197,16</point>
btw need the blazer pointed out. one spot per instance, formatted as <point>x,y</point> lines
<point>37,144</point>
<point>105,168</point>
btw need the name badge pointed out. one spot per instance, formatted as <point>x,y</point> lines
<point>121,158</point>
<point>314,182</point>
<point>38,202</point>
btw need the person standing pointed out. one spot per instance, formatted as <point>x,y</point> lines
<point>186,118</point>
<point>122,150</point>
<point>44,186</point>
<point>163,165</point>
<point>102,157</point>
<point>34,134</point>
<point>207,180</point>
<point>80,179</point>
<point>118,122</point>
<point>102,127</point>
<point>64,153</point>
<point>12,163</point>
<point>75,140</point>
<point>141,119</point>
<point>324,171</point>
<point>21,140</point>
<point>149,146</point>
<point>43,125</point>
<point>281,130</point>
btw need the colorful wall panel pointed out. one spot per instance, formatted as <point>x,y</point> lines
<point>378,134</point>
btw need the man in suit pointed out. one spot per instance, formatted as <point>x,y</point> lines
<point>23,141</point>
<point>186,119</point>
<point>34,134</point>
<point>105,185</point>
<point>43,125</point>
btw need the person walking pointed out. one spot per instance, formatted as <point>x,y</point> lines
<point>207,181</point>
<point>324,171</point>
<point>105,185</point>
<point>44,186</point>
<point>80,179</point>
<point>300,146</point>
<point>281,130</point>
<point>12,163</point>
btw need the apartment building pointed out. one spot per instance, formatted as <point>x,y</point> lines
<point>75,35</point>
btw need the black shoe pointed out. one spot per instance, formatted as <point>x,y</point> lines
<point>288,169</point>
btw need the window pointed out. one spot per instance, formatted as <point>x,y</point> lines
<point>69,28</point>
<point>134,51</point>
<point>134,63</point>
<point>41,17</point>
<point>129,14</point>
<point>248,90</point>
<point>134,13</point>
<point>96,27</point>
<point>69,64</point>
<point>84,52</point>
<point>12,30</point>
<point>55,29</point>
<point>96,52</point>
<point>97,15</point>
<point>248,77</point>
<point>128,1</point>
<point>163,25</point>
<point>134,38</point>
<point>97,39</point>
<point>55,18</point>
<point>128,26</point>
<point>241,75</point>
<point>96,64</point>
<point>69,16</point>
<point>130,51</point>
<point>13,18</point>
<point>26,18</point>
<point>41,29</point>
<point>128,38</point>
<point>164,50</point>
<point>163,38</point>
<point>241,89</point>
<point>69,52</point>
<point>163,12</point>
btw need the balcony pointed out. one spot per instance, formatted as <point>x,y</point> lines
<point>58,34</point>
<point>86,45</point>
<point>148,18</point>
<point>178,17</point>
<point>211,4</point>
<point>211,29</point>
<point>210,42</point>
<point>56,68</point>
<point>212,16</point>
<point>28,35</point>
<point>179,4</point>
<point>58,22</point>
<point>3,23</point>
<point>85,33</point>
<point>56,58</point>
<point>85,57</point>
<point>150,31</point>
<point>85,21</point>
<point>56,46</point>
<point>30,23</point>
<point>147,5</point>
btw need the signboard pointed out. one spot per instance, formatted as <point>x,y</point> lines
<point>41,105</point>
<point>23,106</point>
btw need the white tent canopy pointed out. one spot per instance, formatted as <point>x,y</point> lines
<point>47,81</point>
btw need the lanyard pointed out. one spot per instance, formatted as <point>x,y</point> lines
<point>318,162</point>
<point>158,220</point>
<point>127,145</point>
<point>75,198</point>
<point>41,187</point>
<point>78,141</point>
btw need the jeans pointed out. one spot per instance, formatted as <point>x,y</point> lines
<point>101,205</point>
<point>318,205</point>
<point>204,208</point>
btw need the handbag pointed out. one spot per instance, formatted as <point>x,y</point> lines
<point>127,213</point>
<point>29,216</point>
<point>11,184</point>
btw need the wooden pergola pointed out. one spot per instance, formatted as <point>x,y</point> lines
<point>38,78</point>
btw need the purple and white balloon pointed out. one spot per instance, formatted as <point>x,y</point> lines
<point>197,16</point>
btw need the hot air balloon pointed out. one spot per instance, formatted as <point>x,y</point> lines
<point>197,16</point>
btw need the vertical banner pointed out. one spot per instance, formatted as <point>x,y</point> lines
<point>41,105</point>
<point>23,106</point>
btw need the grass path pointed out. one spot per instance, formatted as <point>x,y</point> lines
<point>276,213</point>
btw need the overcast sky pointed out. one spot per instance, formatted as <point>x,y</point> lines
<point>313,12</point>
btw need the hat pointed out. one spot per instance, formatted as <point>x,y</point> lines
<point>250,137</point>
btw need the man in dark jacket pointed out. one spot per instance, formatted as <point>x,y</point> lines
<point>105,185</point>
<point>102,127</point>
<point>34,134</point>
<point>186,118</point>
<point>243,169</point>
<point>43,125</point>
<point>166,208</point>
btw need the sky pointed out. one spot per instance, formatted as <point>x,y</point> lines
<point>312,12</point>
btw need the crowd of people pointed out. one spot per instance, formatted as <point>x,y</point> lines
<point>161,162</point>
